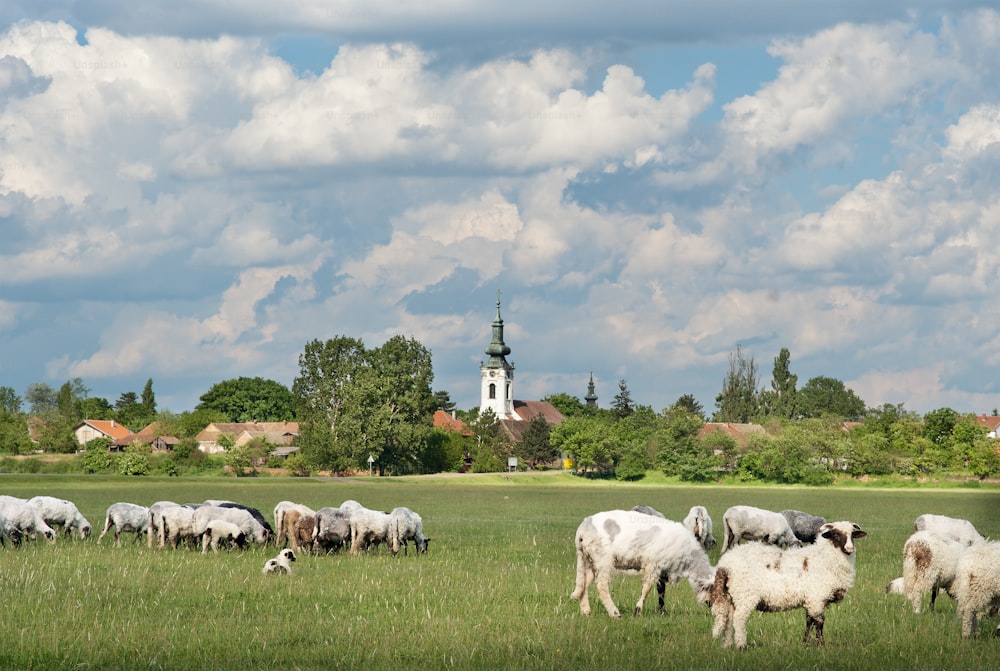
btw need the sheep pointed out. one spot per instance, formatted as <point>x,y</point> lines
<point>629,541</point>
<point>241,517</point>
<point>700,524</point>
<point>949,527</point>
<point>281,563</point>
<point>406,525</point>
<point>281,533</point>
<point>305,528</point>
<point>368,527</point>
<point>217,531</point>
<point>804,526</point>
<point>333,529</point>
<point>977,585</point>
<point>929,563</point>
<point>647,510</point>
<point>125,517</point>
<point>257,515</point>
<point>756,576</point>
<point>9,531</point>
<point>25,518</point>
<point>176,524</point>
<point>63,514</point>
<point>756,524</point>
<point>156,522</point>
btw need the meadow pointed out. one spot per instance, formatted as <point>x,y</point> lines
<point>492,592</point>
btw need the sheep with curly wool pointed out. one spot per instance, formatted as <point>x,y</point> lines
<point>626,541</point>
<point>760,577</point>
<point>930,563</point>
<point>281,529</point>
<point>747,523</point>
<point>977,585</point>
<point>949,527</point>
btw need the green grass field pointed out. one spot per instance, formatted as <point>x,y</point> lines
<point>492,593</point>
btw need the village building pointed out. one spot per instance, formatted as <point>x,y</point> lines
<point>89,429</point>
<point>217,436</point>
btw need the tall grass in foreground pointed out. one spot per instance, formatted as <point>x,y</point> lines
<point>491,594</point>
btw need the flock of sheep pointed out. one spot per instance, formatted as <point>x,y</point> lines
<point>214,524</point>
<point>793,560</point>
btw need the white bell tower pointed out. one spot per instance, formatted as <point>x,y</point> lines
<point>497,375</point>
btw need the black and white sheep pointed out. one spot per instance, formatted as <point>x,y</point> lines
<point>257,515</point>
<point>221,531</point>
<point>125,517</point>
<point>280,564</point>
<point>332,530</point>
<point>756,524</point>
<point>700,524</point>
<point>61,514</point>
<point>804,526</point>
<point>950,527</point>
<point>280,531</point>
<point>25,518</point>
<point>977,585</point>
<point>241,517</point>
<point>930,563</point>
<point>618,541</point>
<point>404,526</point>
<point>761,577</point>
<point>176,525</point>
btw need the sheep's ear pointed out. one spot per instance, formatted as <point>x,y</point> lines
<point>826,530</point>
<point>858,533</point>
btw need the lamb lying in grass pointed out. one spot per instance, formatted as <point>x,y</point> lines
<point>280,564</point>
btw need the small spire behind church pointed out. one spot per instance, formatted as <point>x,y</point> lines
<point>591,397</point>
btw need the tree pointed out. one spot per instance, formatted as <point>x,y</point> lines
<point>250,399</point>
<point>780,401</point>
<point>148,399</point>
<point>567,404</point>
<point>623,405</point>
<point>444,402</point>
<point>828,396</point>
<point>739,400</point>
<point>10,402</point>
<point>14,437</point>
<point>939,425</point>
<point>41,398</point>
<point>491,447</point>
<point>688,404</point>
<point>535,446</point>
<point>129,411</point>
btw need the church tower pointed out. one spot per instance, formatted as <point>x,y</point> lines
<point>497,392</point>
<point>591,397</point>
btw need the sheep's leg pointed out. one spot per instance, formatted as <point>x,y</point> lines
<point>588,577</point>
<point>581,578</point>
<point>970,622</point>
<point>723,612</point>
<point>740,615</point>
<point>661,588</point>
<point>814,622</point>
<point>647,584</point>
<point>604,593</point>
<point>934,593</point>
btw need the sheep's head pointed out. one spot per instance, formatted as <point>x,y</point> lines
<point>288,554</point>
<point>842,535</point>
<point>85,532</point>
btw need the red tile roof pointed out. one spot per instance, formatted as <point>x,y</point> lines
<point>442,420</point>
<point>108,427</point>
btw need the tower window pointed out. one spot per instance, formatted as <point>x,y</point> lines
<point>493,390</point>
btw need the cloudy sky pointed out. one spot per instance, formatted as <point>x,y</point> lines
<point>191,191</point>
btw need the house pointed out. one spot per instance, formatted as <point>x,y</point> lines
<point>89,429</point>
<point>448,422</point>
<point>153,434</point>
<point>740,433</point>
<point>992,424</point>
<point>215,437</point>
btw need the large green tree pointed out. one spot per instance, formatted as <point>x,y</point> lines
<point>567,404</point>
<point>739,400</point>
<point>780,400</point>
<point>250,399</point>
<point>623,405</point>
<point>828,396</point>
<point>535,446</point>
<point>13,423</point>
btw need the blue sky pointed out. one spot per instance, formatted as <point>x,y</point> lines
<point>190,193</point>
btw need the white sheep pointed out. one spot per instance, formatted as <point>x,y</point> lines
<point>176,525</point>
<point>368,528</point>
<point>404,526</point>
<point>156,522</point>
<point>25,518</point>
<point>628,541</point>
<point>241,517</point>
<point>280,564</point>
<point>60,513</point>
<point>804,526</point>
<point>9,532</point>
<point>761,577</point>
<point>281,533</point>
<point>217,531</point>
<point>950,527</point>
<point>756,524</point>
<point>929,564</point>
<point>125,517</point>
<point>700,524</point>
<point>977,585</point>
<point>332,530</point>
<point>649,510</point>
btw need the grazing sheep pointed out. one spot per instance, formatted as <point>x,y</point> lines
<point>332,530</point>
<point>368,528</point>
<point>351,505</point>
<point>977,585</point>
<point>404,526</point>
<point>241,517</point>
<point>628,541</point>
<point>280,564</point>
<point>700,524</point>
<point>176,525</point>
<point>280,529</point>
<point>755,576</point>
<point>929,564</point>
<point>156,522</point>
<point>647,510</point>
<point>217,531</point>
<point>804,526</point>
<point>63,514</point>
<point>9,532</point>
<point>25,518</point>
<point>895,587</point>
<point>125,517</point>
<point>257,515</point>
<point>305,529</point>
<point>756,524</point>
<point>950,527</point>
